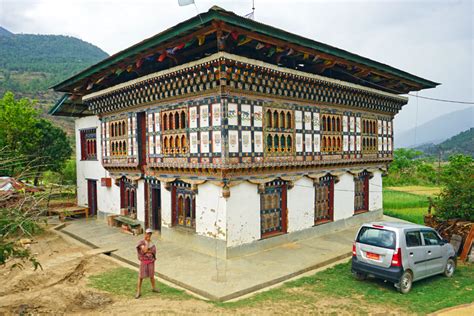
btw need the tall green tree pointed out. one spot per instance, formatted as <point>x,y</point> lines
<point>51,147</point>
<point>25,134</point>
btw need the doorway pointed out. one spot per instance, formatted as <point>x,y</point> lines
<point>155,206</point>
<point>92,197</point>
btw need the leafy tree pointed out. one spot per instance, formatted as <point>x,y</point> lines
<point>457,198</point>
<point>51,146</point>
<point>25,134</point>
<point>69,172</point>
<point>17,119</point>
<point>408,168</point>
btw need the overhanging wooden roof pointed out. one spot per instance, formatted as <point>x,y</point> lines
<point>66,106</point>
<point>292,51</point>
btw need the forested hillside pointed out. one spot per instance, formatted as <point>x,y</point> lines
<point>462,143</point>
<point>30,64</point>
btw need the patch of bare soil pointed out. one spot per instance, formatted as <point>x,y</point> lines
<point>62,284</point>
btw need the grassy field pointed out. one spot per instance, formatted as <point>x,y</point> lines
<point>427,296</point>
<point>123,282</point>
<point>318,292</point>
<point>408,203</point>
<point>417,189</point>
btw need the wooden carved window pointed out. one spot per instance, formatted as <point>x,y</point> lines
<point>183,205</point>
<point>88,144</point>
<point>279,133</point>
<point>331,129</point>
<point>273,208</point>
<point>119,138</point>
<point>361,195</point>
<point>324,200</point>
<point>369,136</point>
<point>174,138</point>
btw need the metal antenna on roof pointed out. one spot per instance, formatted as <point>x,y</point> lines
<point>251,15</point>
<point>195,5</point>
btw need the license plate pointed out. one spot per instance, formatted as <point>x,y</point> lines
<point>373,256</point>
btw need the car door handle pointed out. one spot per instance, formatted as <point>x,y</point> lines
<point>429,252</point>
<point>411,254</point>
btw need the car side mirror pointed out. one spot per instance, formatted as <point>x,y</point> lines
<point>443,242</point>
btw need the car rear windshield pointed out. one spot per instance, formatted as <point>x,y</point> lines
<point>376,237</point>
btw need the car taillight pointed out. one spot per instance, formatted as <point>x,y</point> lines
<point>354,253</point>
<point>397,258</point>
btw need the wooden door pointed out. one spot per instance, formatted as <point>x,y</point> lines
<point>92,197</point>
<point>155,208</point>
<point>273,209</point>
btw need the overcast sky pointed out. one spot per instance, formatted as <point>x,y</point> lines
<point>431,39</point>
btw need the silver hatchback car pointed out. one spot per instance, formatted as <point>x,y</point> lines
<point>401,253</point>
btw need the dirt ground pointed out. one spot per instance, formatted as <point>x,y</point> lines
<point>61,287</point>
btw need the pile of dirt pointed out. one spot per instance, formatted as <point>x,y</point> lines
<point>60,287</point>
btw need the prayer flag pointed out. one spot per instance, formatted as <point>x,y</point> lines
<point>201,39</point>
<point>139,63</point>
<point>162,56</point>
<point>189,43</point>
<point>234,35</point>
<point>244,40</point>
<point>271,52</point>
<point>182,3</point>
<point>90,85</point>
<point>100,79</point>
<point>289,52</point>
<point>129,68</point>
<point>305,56</point>
<point>279,50</point>
<point>259,46</point>
<point>180,46</point>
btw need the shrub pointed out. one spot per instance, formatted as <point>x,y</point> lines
<point>456,200</point>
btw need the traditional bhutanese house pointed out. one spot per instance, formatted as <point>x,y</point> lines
<point>225,133</point>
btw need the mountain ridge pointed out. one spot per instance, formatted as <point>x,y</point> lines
<point>31,63</point>
<point>437,130</point>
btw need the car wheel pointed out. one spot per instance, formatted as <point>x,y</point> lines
<point>450,267</point>
<point>406,281</point>
<point>360,276</point>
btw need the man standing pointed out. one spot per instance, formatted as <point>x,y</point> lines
<point>146,252</point>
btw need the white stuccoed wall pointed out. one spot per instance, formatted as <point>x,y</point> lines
<point>375,192</point>
<point>301,205</point>
<point>243,214</point>
<point>141,200</point>
<point>165,206</point>
<point>108,199</point>
<point>211,211</point>
<point>344,197</point>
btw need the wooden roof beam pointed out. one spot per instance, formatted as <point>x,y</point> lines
<point>302,49</point>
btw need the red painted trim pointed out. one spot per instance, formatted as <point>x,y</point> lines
<point>147,204</point>
<point>284,210</point>
<point>331,200</point>
<point>366,193</point>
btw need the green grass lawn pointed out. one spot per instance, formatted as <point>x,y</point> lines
<point>123,282</point>
<point>407,206</point>
<point>426,296</point>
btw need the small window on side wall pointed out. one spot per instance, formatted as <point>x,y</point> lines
<point>88,144</point>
